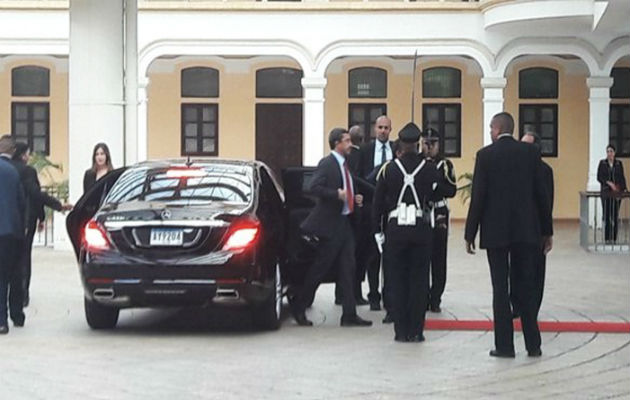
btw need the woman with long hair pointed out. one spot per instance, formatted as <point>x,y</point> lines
<point>101,165</point>
<point>612,180</point>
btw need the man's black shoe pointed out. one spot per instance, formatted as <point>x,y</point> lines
<point>399,338</point>
<point>375,306</point>
<point>18,322</point>
<point>534,353</point>
<point>502,354</point>
<point>435,308</point>
<point>4,329</point>
<point>301,319</point>
<point>388,319</point>
<point>354,320</point>
<point>416,338</point>
<point>361,301</point>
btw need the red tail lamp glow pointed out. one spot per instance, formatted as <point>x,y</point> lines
<point>242,235</point>
<point>186,173</point>
<point>94,236</point>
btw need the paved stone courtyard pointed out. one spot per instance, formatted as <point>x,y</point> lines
<point>210,354</point>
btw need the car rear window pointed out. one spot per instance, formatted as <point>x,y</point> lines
<point>186,186</point>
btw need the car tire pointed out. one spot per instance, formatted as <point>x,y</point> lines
<point>99,316</point>
<point>267,315</point>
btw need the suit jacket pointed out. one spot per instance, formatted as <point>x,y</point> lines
<point>614,174</point>
<point>11,201</point>
<point>549,185</point>
<point>509,198</point>
<point>366,161</point>
<point>354,160</point>
<point>35,199</point>
<point>325,218</point>
<point>89,179</point>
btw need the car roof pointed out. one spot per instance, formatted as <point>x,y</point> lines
<point>181,162</point>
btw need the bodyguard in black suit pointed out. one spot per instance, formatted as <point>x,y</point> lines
<point>404,193</point>
<point>329,222</point>
<point>373,155</point>
<point>35,201</point>
<point>11,237</point>
<point>510,203</point>
<point>540,258</point>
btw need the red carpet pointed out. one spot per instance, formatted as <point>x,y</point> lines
<point>545,326</point>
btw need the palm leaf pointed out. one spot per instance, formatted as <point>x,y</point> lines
<point>465,190</point>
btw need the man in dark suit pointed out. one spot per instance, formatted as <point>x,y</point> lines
<point>11,237</point>
<point>510,203</point>
<point>35,200</point>
<point>540,259</point>
<point>373,155</point>
<point>329,222</point>
<point>360,220</point>
<point>354,157</point>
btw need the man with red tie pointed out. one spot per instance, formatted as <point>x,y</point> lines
<point>329,222</point>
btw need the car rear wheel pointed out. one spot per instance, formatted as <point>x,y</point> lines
<point>267,315</point>
<point>99,316</point>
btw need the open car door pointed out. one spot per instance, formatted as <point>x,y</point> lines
<point>298,204</point>
<point>87,206</point>
<point>301,249</point>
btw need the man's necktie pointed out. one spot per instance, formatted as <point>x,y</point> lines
<point>383,153</point>
<point>349,193</point>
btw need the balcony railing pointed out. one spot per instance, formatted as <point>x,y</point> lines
<point>46,235</point>
<point>605,222</point>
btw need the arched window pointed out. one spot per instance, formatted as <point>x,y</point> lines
<point>441,82</point>
<point>538,83</point>
<point>30,121</point>
<point>200,120</point>
<point>541,118</point>
<point>279,83</point>
<point>367,82</point>
<point>30,80</point>
<point>200,82</point>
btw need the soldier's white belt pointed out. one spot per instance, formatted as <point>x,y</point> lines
<point>406,215</point>
<point>441,203</point>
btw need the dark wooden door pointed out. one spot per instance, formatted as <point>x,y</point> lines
<point>279,135</point>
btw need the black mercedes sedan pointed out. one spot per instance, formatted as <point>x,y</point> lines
<point>184,233</point>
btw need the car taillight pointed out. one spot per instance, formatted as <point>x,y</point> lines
<point>94,236</point>
<point>242,235</point>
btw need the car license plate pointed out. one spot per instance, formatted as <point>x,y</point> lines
<point>166,237</point>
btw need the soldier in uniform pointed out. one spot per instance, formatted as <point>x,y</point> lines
<point>431,151</point>
<point>402,200</point>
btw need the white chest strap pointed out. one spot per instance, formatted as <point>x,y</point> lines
<point>408,181</point>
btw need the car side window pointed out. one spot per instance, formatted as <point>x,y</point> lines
<point>270,192</point>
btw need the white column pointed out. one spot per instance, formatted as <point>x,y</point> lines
<point>96,103</point>
<point>313,139</point>
<point>492,103</point>
<point>599,87</point>
<point>143,117</point>
<point>131,81</point>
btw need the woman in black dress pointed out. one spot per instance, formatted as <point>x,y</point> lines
<point>101,165</point>
<point>612,180</point>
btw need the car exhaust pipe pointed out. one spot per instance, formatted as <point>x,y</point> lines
<point>103,294</point>
<point>226,294</point>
